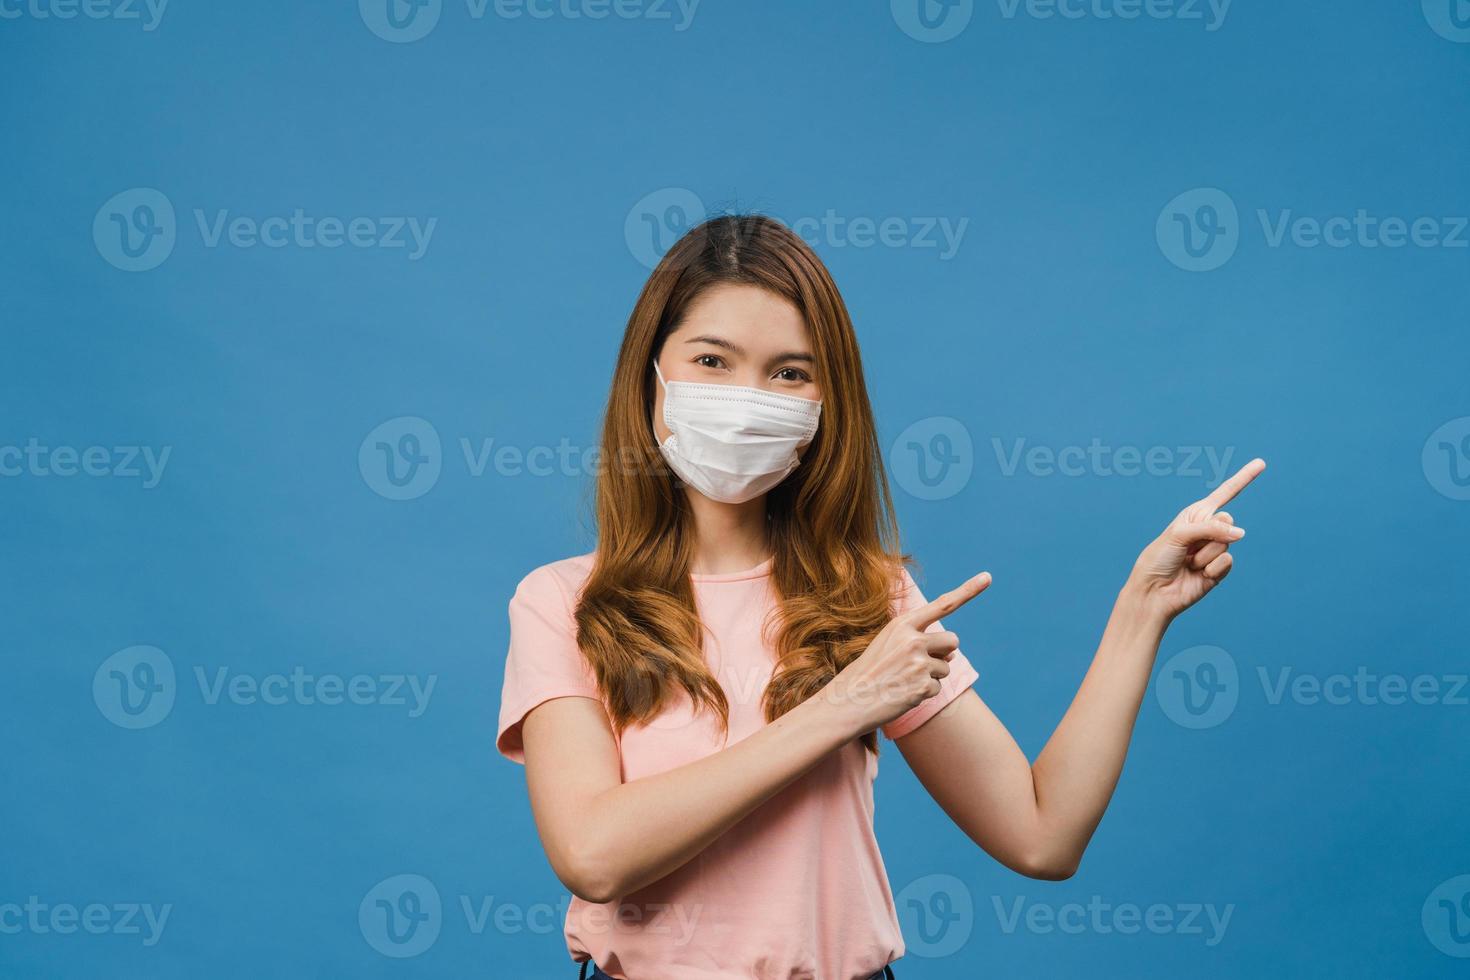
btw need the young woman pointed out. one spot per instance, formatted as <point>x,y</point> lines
<point>697,701</point>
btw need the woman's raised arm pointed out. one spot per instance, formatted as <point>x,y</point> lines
<point>1038,819</point>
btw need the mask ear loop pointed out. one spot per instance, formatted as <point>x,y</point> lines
<point>665,385</point>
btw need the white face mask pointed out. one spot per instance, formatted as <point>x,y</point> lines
<point>733,443</point>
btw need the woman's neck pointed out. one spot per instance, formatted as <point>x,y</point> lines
<point>728,537</point>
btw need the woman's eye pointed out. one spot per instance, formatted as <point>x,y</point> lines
<point>709,361</point>
<point>793,374</point>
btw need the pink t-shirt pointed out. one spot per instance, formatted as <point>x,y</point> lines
<point>796,889</point>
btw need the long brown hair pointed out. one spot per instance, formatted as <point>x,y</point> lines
<point>832,527</point>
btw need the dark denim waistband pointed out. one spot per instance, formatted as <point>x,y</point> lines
<point>885,974</point>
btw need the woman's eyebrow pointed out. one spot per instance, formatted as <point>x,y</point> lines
<point>718,342</point>
<point>734,348</point>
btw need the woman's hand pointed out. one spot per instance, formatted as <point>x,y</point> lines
<point>904,664</point>
<point>1192,556</point>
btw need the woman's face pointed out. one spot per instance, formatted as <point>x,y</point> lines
<point>736,334</point>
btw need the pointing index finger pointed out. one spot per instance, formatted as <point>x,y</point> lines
<point>1226,491</point>
<point>925,615</point>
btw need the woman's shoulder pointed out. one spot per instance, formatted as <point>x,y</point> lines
<point>560,578</point>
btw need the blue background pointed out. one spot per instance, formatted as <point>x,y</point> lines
<point>1060,319</point>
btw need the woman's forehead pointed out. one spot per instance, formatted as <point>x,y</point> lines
<point>745,316</point>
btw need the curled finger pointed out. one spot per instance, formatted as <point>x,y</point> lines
<point>1207,554</point>
<point>1201,532</point>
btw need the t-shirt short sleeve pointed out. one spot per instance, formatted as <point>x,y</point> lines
<point>961,673</point>
<point>544,661</point>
